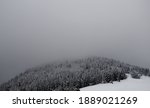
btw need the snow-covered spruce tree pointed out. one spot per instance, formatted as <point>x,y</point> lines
<point>136,75</point>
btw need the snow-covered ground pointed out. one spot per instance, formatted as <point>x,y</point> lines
<point>129,84</point>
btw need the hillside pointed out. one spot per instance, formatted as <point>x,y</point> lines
<point>73,75</point>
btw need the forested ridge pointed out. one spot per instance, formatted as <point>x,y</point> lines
<point>73,75</point>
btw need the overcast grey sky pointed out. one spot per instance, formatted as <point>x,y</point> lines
<point>33,32</point>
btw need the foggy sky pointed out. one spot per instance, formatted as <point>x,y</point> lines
<point>33,32</point>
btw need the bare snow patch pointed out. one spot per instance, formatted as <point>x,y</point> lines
<point>129,84</point>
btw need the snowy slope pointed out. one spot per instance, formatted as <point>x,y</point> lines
<point>129,84</point>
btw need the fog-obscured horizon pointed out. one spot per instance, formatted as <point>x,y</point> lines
<point>33,32</point>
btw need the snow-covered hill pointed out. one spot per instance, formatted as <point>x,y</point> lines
<point>75,74</point>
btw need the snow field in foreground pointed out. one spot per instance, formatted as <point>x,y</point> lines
<point>129,84</point>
